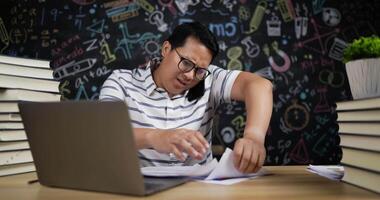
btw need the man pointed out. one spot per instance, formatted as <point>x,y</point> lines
<point>172,102</point>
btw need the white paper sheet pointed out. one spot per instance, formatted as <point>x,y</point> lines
<point>222,172</point>
<point>176,171</point>
<point>226,168</point>
<point>333,172</point>
<point>229,181</point>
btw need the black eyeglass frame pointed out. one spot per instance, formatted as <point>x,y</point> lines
<point>195,67</point>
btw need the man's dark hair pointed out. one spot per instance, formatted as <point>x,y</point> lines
<point>204,35</point>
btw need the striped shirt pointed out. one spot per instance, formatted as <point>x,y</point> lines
<point>151,107</point>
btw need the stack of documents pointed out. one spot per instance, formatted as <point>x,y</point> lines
<point>333,172</point>
<point>222,172</point>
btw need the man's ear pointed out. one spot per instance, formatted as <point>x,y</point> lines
<point>166,48</point>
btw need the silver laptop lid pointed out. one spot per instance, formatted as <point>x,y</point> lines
<point>83,145</point>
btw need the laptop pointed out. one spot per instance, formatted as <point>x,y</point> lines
<point>87,145</point>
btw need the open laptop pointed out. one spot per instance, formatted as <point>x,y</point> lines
<point>87,145</point>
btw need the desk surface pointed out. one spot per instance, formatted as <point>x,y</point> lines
<point>287,182</point>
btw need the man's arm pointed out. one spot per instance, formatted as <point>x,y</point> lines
<point>257,94</point>
<point>168,141</point>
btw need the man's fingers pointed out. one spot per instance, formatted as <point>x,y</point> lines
<point>191,142</point>
<point>197,144</point>
<point>249,156</point>
<point>188,148</point>
<point>255,163</point>
<point>261,161</point>
<point>178,154</point>
<point>246,158</point>
<point>202,139</point>
<point>252,165</point>
<point>238,152</point>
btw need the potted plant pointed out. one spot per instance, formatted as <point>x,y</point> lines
<point>362,58</point>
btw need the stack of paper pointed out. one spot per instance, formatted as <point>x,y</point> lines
<point>332,172</point>
<point>176,171</point>
<point>222,172</point>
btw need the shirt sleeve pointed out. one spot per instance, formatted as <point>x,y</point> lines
<point>112,90</point>
<point>221,85</point>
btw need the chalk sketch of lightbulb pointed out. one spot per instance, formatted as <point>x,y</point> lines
<point>156,18</point>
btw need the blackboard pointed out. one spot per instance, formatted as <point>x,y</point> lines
<point>300,42</point>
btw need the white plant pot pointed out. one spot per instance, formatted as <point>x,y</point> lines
<point>364,77</point>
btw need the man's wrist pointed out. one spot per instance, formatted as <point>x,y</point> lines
<point>150,138</point>
<point>255,136</point>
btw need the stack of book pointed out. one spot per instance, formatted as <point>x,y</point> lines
<point>359,129</point>
<point>20,80</point>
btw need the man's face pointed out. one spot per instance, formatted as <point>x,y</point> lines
<point>170,77</point>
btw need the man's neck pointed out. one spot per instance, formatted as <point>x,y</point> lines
<point>156,78</point>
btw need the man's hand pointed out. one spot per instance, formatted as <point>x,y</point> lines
<point>249,155</point>
<point>177,141</point>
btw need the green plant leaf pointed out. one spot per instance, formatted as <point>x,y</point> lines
<point>363,47</point>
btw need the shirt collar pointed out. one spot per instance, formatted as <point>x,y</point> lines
<point>150,67</point>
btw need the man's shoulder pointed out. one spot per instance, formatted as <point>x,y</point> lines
<point>210,78</point>
<point>134,76</point>
<point>212,68</point>
<point>220,74</point>
<point>136,72</point>
<point>123,71</point>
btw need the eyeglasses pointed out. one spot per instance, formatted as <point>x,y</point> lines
<point>186,65</point>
